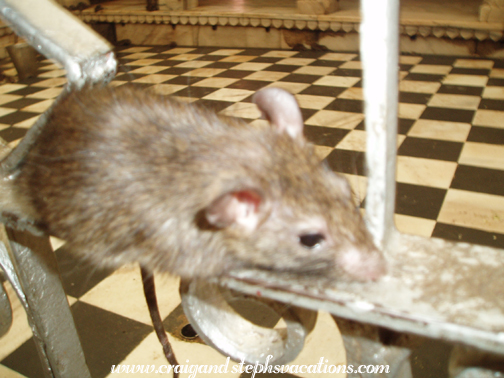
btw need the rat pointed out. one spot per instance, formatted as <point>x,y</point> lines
<point>124,175</point>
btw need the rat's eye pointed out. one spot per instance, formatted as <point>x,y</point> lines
<point>311,240</point>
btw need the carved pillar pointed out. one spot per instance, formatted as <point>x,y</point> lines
<point>492,11</point>
<point>177,5</point>
<point>317,6</point>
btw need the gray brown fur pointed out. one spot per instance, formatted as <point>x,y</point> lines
<point>123,176</point>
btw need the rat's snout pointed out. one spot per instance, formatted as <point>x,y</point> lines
<point>362,265</point>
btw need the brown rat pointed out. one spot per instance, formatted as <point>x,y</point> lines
<point>128,176</point>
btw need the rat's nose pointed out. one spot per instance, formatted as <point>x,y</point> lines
<point>362,265</point>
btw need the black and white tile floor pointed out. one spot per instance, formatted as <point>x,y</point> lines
<point>450,174</point>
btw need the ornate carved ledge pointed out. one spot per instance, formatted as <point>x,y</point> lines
<point>478,31</point>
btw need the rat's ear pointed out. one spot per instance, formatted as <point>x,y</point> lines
<point>281,109</point>
<point>240,208</point>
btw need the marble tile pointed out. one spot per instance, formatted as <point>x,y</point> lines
<point>337,81</point>
<point>324,136</point>
<point>404,59</point>
<point>497,73</point>
<point>446,114</point>
<point>215,82</point>
<point>323,90</point>
<point>116,83</point>
<point>193,64</point>
<point>403,74</point>
<point>489,135</point>
<point>237,58</point>
<point>313,102</point>
<point>478,179</point>
<point>352,65</point>
<point>338,56</point>
<point>296,61</point>
<point>5,372</point>
<point>147,70</point>
<point>167,89</point>
<point>138,55</point>
<point>11,72</point>
<point>243,110</point>
<point>204,72</point>
<point>135,49</point>
<point>494,92</point>
<point>410,111</point>
<point>414,98</point>
<point>53,73</point>
<point>6,88</point>
<point>299,78</point>
<point>279,54</point>
<point>226,52</point>
<point>323,151</point>
<point>354,93</point>
<point>347,161</point>
<point>39,107</point>
<point>359,187</point>
<point>470,71</point>
<point>461,90</point>
<point>334,118</point>
<point>418,86</point>
<point>47,93</point>
<point>186,57</point>
<point>467,235</point>
<point>355,140</point>
<point>13,144</point>
<point>491,104</point>
<point>5,111</point>
<point>253,85</point>
<point>125,287</point>
<point>143,62</point>
<point>469,80</point>
<point>53,82</point>
<point>482,155</point>
<point>474,63</point>
<point>153,79</point>
<point>431,149</point>
<point>491,118</point>
<point>266,76</point>
<point>187,99</point>
<point>428,172</point>
<point>419,201</point>
<point>423,77</point>
<point>6,98</point>
<point>56,243</point>
<point>313,70</point>
<point>289,87</point>
<point>226,94</point>
<point>414,225</point>
<point>474,210</point>
<point>346,105</point>
<point>251,66</point>
<point>431,69</point>
<point>54,66</point>
<point>442,130</point>
<point>454,101</point>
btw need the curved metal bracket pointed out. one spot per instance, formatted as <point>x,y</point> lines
<point>5,312</point>
<point>207,306</point>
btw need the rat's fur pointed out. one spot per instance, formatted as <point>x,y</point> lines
<point>123,175</point>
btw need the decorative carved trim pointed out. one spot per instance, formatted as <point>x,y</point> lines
<point>298,21</point>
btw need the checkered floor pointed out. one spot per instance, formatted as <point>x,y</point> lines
<point>450,178</point>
